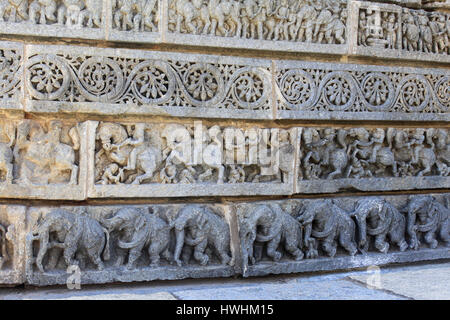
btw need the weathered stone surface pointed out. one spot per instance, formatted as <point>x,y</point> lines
<point>64,79</point>
<point>334,159</point>
<point>386,30</point>
<point>339,27</point>
<point>142,160</point>
<point>94,126</point>
<point>43,159</point>
<point>341,233</point>
<point>129,243</point>
<point>125,243</point>
<point>12,236</point>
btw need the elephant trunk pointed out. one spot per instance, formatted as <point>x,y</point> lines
<point>327,230</point>
<point>383,225</point>
<point>361,222</point>
<point>106,252</point>
<point>43,247</point>
<point>139,238</point>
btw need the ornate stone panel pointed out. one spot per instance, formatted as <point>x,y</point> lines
<point>129,243</point>
<point>142,160</point>
<point>269,24</point>
<point>46,18</point>
<point>42,159</point>
<point>137,21</point>
<point>341,233</point>
<point>369,159</point>
<point>87,80</point>
<point>387,30</point>
<point>356,92</point>
<point>134,82</point>
<point>11,57</point>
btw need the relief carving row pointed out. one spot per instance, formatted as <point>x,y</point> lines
<point>154,82</point>
<point>360,153</point>
<point>294,230</point>
<point>158,159</point>
<point>69,13</point>
<point>177,83</point>
<point>147,242</point>
<point>312,21</point>
<point>278,25</point>
<point>403,29</point>
<point>185,154</point>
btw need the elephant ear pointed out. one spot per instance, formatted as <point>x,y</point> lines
<point>139,223</point>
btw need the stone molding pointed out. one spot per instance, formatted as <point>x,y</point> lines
<point>65,160</point>
<point>219,240</point>
<point>80,80</point>
<point>274,26</point>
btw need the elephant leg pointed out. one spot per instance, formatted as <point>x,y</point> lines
<point>291,247</point>
<point>272,246</point>
<point>54,255</point>
<point>381,243</point>
<point>154,251</point>
<point>345,240</point>
<point>121,254</point>
<point>222,252</point>
<point>396,236</point>
<point>134,254</point>
<point>430,239</point>
<point>94,255</point>
<point>69,253</point>
<point>167,255</point>
<point>329,246</point>
<point>199,254</point>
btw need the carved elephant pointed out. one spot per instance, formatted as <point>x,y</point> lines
<point>269,223</point>
<point>425,215</point>
<point>139,229</point>
<point>199,227</point>
<point>76,234</point>
<point>379,219</point>
<point>328,223</point>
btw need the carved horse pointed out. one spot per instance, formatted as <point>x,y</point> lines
<point>148,158</point>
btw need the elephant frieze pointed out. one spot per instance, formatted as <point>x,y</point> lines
<point>76,234</point>
<point>327,223</point>
<point>271,224</point>
<point>425,215</point>
<point>378,218</point>
<point>138,230</point>
<point>200,227</point>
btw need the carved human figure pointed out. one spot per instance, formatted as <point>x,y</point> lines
<point>45,150</point>
<point>425,215</point>
<point>139,229</point>
<point>199,227</point>
<point>411,32</point>
<point>131,153</point>
<point>362,29</point>
<point>76,234</point>
<point>378,218</point>
<point>328,224</point>
<point>391,31</point>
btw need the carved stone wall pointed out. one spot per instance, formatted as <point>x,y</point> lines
<point>167,139</point>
